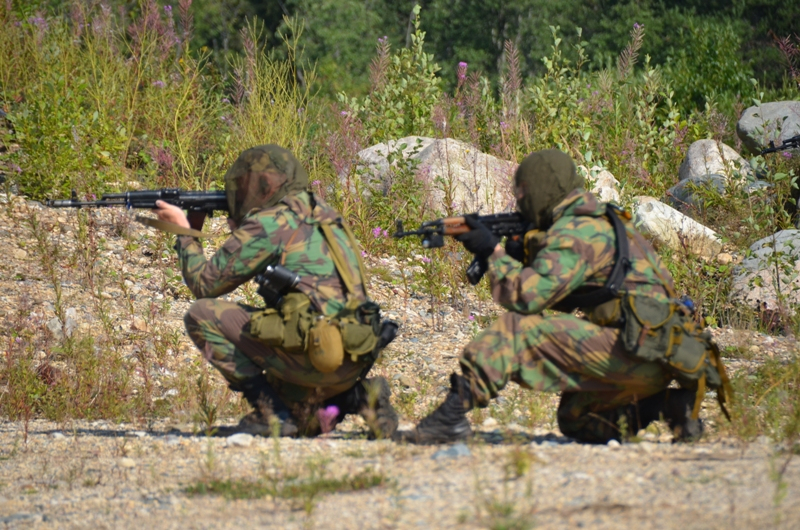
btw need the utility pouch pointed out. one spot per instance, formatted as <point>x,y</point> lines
<point>665,333</point>
<point>286,327</point>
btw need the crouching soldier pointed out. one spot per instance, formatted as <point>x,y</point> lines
<point>311,347</point>
<point>614,366</point>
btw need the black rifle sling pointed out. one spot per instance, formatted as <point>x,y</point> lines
<point>615,280</point>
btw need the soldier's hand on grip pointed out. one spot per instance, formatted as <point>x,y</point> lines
<point>479,240</point>
<point>516,249</point>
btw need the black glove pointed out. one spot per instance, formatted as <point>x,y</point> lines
<point>516,249</point>
<point>479,240</point>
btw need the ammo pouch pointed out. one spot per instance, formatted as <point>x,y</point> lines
<point>665,333</point>
<point>285,327</point>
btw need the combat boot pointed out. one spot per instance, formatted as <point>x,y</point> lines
<point>448,423</point>
<point>678,415</point>
<point>371,399</point>
<point>268,410</point>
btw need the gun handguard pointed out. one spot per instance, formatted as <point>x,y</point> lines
<point>195,201</point>
<point>789,143</point>
<point>510,224</point>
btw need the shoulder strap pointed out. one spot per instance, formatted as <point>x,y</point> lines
<point>615,280</point>
<point>337,255</point>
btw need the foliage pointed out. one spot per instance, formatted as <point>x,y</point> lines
<point>719,76</point>
<point>404,91</point>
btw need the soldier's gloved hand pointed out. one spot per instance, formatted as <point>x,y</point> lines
<point>479,240</point>
<point>516,249</point>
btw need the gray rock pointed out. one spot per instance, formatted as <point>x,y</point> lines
<point>709,157</point>
<point>776,121</point>
<point>454,451</point>
<point>669,227</point>
<point>54,326</point>
<point>686,195</point>
<point>449,169</point>
<point>772,268</point>
<point>241,439</point>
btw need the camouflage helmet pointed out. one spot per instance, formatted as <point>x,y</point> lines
<point>260,178</point>
<point>544,179</point>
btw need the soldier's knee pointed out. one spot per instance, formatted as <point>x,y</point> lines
<point>199,311</point>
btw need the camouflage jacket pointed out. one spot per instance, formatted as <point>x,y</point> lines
<point>286,234</point>
<point>578,252</point>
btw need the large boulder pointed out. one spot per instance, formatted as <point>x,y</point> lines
<point>709,157</point>
<point>773,268</point>
<point>669,227</point>
<point>776,121</point>
<point>451,170</point>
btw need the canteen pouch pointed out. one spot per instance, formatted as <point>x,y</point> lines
<point>325,348</point>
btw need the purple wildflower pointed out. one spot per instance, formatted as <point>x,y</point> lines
<point>426,259</point>
<point>168,9</point>
<point>787,154</point>
<point>503,125</point>
<point>636,25</point>
<point>316,183</point>
<point>159,84</point>
<point>39,22</point>
<point>343,113</point>
<point>382,40</point>
<point>327,418</point>
<point>472,317</point>
<point>462,70</point>
<point>363,253</point>
<point>226,100</point>
<point>376,232</point>
<point>16,168</point>
<point>385,233</point>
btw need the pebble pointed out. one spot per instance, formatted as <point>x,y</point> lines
<point>613,443</point>
<point>489,423</point>
<point>241,439</point>
<point>127,462</point>
<point>453,451</point>
<point>57,435</point>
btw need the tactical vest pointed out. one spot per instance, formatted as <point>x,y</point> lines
<point>651,330</point>
<point>297,326</point>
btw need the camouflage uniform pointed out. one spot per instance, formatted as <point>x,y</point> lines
<point>286,233</point>
<point>583,358</point>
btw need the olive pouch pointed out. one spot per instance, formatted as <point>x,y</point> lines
<point>661,332</point>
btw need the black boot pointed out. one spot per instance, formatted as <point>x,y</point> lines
<point>675,405</point>
<point>268,410</point>
<point>678,414</point>
<point>371,399</point>
<point>448,423</point>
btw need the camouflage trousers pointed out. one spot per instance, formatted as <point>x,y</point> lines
<point>221,331</point>
<point>563,353</point>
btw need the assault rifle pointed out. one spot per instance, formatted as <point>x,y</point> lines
<point>193,201</point>
<point>432,233</point>
<point>789,143</point>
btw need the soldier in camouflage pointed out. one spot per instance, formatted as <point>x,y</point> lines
<point>274,220</point>
<point>607,393</point>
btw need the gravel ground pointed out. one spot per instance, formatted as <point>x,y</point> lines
<point>518,472</point>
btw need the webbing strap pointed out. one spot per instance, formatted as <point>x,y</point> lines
<point>337,257</point>
<point>617,277</point>
<point>725,391</point>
